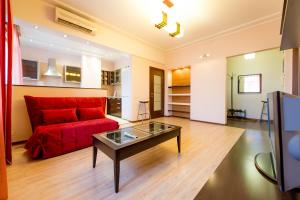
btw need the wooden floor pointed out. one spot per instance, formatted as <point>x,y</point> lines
<point>158,173</point>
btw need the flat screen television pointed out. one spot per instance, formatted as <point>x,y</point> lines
<point>284,134</point>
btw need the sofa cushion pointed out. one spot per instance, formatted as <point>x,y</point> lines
<point>90,113</point>
<point>58,116</point>
<point>56,139</point>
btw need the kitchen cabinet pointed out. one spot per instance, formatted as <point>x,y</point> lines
<point>118,76</point>
<point>111,77</point>
<point>105,77</point>
<point>114,107</point>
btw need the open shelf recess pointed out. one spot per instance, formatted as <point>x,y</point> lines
<point>179,93</point>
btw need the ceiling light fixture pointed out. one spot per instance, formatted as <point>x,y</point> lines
<point>206,55</point>
<point>65,35</point>
<point>168,3</point>
<point>249,56</point>
<point>168,21</point>
<point>36,27</point>
<point>163,21</point>
<point>177,32</point>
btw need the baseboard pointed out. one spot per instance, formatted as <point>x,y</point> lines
<point>19,142</point>
<point>215,123</point>
<point>249,119</point>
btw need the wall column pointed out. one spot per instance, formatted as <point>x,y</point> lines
<point>296,72</point>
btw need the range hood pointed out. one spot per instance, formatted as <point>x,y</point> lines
<point>52,71</point>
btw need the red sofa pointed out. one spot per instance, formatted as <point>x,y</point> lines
<point>53,139</point>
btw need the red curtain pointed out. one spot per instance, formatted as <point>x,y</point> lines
<point>9,83</point>
<point>6,82</point>
<point>3,179</point>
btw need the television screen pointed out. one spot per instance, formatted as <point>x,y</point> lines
<point>271,128</point>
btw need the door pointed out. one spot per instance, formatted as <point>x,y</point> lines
<point>157,94</point>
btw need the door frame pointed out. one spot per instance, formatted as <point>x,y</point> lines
<point>151,102</point>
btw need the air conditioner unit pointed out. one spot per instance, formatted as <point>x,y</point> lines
<point>72,20</point>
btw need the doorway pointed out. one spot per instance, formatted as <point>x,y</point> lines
<point>156,92</point>
<point>250,77</point>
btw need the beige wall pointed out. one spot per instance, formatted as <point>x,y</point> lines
<point>140,82</point>
<point>21,129</point>
<point>259,37</point>
<point>42,13</point>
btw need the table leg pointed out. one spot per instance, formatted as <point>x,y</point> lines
<point>94,156</point>
<point>179,142</point>
<point>116,173</point>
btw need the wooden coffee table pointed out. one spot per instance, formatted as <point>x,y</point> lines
<point>126,142</point>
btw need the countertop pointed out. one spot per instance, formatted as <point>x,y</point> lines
<point>112,97</point>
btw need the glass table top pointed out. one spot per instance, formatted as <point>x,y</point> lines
<point>124,135</point>
<point>154,127</point>
<point>134,133</point>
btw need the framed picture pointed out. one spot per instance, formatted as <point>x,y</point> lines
<point>251,83</point>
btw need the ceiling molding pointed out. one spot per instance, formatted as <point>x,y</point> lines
<point>245,26</point>
<point>101,22</point>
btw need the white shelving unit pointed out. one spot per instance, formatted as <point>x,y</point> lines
<point>179,104</point>
<point>180,95</point>
<point>179,92</point>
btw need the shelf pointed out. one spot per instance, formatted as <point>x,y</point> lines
<point>179,111</point>
<point>178,86</point>
<point>179,104</point>
<point>179,95</point>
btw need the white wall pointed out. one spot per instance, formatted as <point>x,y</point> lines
<point>208,80</point>
<point>140,83</point>
<point>42,55</point>
<point>107,65</point>
<point>269,63</point>
<point>90,72</point>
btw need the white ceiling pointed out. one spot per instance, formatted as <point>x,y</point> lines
<point>47,39</point>
<point>200,18</point>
